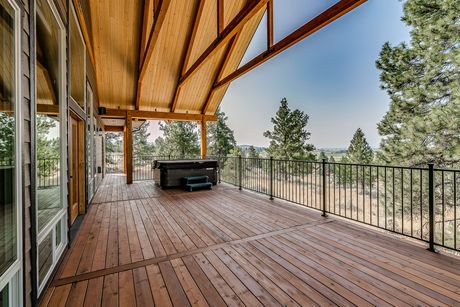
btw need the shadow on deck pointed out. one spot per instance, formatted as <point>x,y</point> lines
<point>140,245</point>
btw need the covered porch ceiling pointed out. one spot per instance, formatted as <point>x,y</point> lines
<point>174,59</point>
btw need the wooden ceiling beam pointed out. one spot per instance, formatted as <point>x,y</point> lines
<point>220,16</point>
<point>186,57</point>
<point>113,128</point>
<point>160,15</point>
<point>270,24</point>
<point>233,27</point>
<point>328,16</point>
<point>84,30</point>
<point>223,64</point>
<point>153,115</point>
<point>48,109</point>
<point>148,12</point>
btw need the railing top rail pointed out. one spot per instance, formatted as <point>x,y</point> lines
<point>352,164</point>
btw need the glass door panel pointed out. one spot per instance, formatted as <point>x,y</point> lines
<point>8,209</point>
<point>48,76</point>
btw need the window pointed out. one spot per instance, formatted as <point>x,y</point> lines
<point>90,120</point>
<point>51,142</point>
<point>4,297</point>
<point>8,239</point>
<point>10,154</point>
<point>77,61</point>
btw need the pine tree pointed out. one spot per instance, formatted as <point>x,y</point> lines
<point>289,137</point>
<point>180,139</point>
<point>422,79</point>
<point>220,137</point>
<point>141,145</point>
<point>6,138</point>
<point>113,142</point>
<point>252,152</point>
<point>322,155</point>
<point>359,151</point>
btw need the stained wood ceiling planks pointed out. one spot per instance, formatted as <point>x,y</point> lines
<point>169,55</point>
<point>116,25</point>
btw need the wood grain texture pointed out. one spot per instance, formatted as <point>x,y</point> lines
<point>140,245</point>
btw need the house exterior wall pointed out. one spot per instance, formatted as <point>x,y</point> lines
<point>29,287</point>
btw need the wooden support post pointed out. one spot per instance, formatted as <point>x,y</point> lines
<point>204,144</point>
<point>129,147</point>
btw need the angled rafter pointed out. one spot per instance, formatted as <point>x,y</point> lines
<point>234,27</point>
<point>148,11</point>
<point>160,15</point>
<point>331,14</point>
<point>220,16</point>
<point>222,66</point>
<point>186,57</point>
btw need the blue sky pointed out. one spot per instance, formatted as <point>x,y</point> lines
<point>330,75</point>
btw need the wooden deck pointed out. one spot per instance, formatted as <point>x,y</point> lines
<point>141,246</point>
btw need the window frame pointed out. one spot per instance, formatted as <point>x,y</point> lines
<point>61,216</point>
<point>73,13</point>
<point>12,277</point>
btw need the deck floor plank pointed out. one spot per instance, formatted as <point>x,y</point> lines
<point>142,246</point>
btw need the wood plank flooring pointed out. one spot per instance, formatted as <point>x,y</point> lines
<point>142,246</point>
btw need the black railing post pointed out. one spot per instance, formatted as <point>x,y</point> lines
<point>240,171</point>
<point>219,165</point>
<point>271,178</point>
<point>431,212</point>
<point>324,187</point>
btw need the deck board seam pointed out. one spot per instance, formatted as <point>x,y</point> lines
<point>146,262</point>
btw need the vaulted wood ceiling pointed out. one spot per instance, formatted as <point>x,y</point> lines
<point>172,55</point>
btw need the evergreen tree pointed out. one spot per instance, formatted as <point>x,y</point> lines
<point>289,137</point>
<point>180,139</point>
<point>422,79</point>
<point>331,159</point>
<point>47,146</point>
<point>359,151</point>
<point>220,137</point>
<point>141,144</point>
<point>322,155</point>
<point>6,138</point>
<point>113,142</point>
<point>252,152</point>
<point>236,151</point>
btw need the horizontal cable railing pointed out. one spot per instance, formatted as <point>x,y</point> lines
<point>48,171</point>
<point>421,203</point>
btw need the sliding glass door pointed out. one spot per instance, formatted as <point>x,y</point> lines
<point>51,144</point>
<point>10,154</point>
